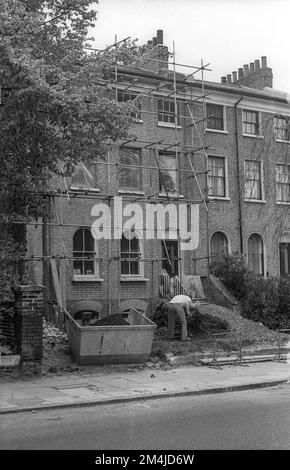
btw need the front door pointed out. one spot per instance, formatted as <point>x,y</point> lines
<point>170,256</point>
<point>284,249</point>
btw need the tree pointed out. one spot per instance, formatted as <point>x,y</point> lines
<point>55,110</point>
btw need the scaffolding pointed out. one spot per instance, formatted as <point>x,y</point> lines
<point>170,87</point>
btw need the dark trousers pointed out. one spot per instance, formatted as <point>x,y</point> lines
<point>176,312</point>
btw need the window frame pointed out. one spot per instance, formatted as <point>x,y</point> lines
<point>224,118</point>
<point>75,187</point>
<point>261,180</point>
<point>162,190</point>
<point>262,260</point>
<point>226,238</point>
<point>163,112</point>
<point>131,276</point>
<point>124,96</point>
<point>127,188</point>
<point>282,183</point>
<point>277,128</point>
<point>225,177</point>
<point>259,122</point>
<point>86,277</point>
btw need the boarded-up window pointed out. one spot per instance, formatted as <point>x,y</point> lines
<point>255,254</point>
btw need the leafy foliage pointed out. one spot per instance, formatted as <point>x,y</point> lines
<point>265,300</point>
<point>55,109</point>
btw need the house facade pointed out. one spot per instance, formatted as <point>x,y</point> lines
<point>208,160</point>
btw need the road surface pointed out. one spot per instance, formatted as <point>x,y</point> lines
<point>256,419</point>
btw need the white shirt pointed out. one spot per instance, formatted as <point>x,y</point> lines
<point>181,299</point>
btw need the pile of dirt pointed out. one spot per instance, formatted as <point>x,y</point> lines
<point>111,320</point>
<point>251,331</point>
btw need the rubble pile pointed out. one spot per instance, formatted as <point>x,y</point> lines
<point>53,335</point>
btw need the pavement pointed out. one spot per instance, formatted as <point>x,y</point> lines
<point>75,390</point>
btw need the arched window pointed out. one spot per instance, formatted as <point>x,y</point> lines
<point>130,254</point>
<point>84,250</point>
<point>256,254</point>
<point>218,247</point>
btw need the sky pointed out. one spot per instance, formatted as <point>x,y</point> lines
<point>225,33</point>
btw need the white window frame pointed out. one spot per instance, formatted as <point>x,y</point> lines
<point>168,124</point>
<point>89,277</point>
<point>259,114</point>
<point>226,197</point>
<point>225,129</point>
<point>140,276</point>
<point>264,252</point>
<point>262,200</point>
<point>285,203</point>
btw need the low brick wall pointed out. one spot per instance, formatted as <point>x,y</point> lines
<point>28,323</point>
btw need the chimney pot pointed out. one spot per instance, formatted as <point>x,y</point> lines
<point>240,73</point>
<point>224,79</point>
<point>252,67</point>
<point>235,76</point>
<point>246,69</point>
<point>159,36</point>
<point>257,64</point>
<point>229,78</point>
<point>264,61</point>
<point>154,41</point>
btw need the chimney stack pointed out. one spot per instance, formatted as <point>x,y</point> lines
<point>252,67</point>
<point>264,61</point>
<point>246,69</point>
<point>235,76</point>
<point>159,36</point>
<point>257,64</point>
<point>240,73</point>
<point>229,78</point>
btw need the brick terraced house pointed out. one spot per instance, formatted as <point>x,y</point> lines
<point>219,150</point>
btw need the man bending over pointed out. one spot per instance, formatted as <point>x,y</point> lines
<point>178,309</point>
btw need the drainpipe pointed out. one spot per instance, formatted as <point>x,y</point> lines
<point>238,177</point>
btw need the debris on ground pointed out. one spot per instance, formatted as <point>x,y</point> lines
<point>111,320</point>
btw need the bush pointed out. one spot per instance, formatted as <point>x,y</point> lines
<point>233,272</point>
<point>262,300</point>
